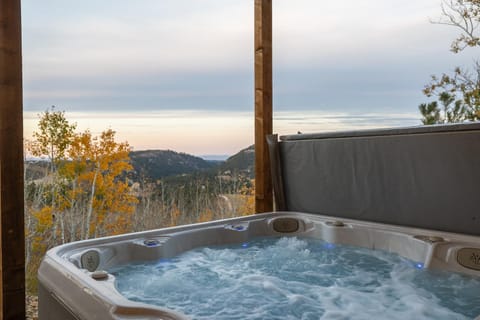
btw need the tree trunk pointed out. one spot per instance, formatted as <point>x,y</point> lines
<point>73,221</point>
<point>62,227</point>
<point>54,216</point>
<point>90,206</point>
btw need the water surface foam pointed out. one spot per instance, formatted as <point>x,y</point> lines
<point>291,278</point>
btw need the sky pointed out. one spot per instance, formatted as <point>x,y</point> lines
<point>178,74</point>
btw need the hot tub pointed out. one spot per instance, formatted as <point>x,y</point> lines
<point>73,283</point>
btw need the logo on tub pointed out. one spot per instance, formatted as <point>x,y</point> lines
<point>469,258</point>
<point>475,258</point>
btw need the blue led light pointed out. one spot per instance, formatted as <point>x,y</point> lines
<point>163,263</point>
<point>419,265</point>
<point>244,245</point>
<point>328,245</point>
<point>151,242</point>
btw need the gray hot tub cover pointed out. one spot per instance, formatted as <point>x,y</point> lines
<point>426,177</point>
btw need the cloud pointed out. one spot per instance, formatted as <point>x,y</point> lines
<point>206,91</point>
<point>84,38</point>
<point>158,55</point>
<point>352,34</point>
<point>288,122</point>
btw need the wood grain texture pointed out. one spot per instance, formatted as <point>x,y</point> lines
<point>263,104</point>
<point>12,235</point>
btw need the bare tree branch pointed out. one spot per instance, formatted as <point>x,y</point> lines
<point>464,15</point>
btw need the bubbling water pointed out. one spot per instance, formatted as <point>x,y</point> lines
<point>291,278</point>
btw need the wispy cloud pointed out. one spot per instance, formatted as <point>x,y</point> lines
<point>87,38</point>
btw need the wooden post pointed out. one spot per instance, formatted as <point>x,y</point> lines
<point>263,104</point>
<point>12,234</point>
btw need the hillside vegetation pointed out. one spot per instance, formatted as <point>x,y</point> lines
<point>243,161</point>
<point>153,165</point>
<point>157,164</point>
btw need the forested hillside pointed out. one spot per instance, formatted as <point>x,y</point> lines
<point>157,164</point>
<point>153,165</point>
<point>243,161</point>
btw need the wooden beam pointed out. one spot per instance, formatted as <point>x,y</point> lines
<point>263,104</point>
<point>12,234</point>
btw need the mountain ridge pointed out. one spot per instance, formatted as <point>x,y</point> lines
<point>157,164</point>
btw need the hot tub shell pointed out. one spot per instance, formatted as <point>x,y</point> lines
<point>68,291</point>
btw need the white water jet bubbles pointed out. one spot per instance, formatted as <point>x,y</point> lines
<point>291,278</point>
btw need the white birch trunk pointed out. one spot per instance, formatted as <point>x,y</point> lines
<point>90,207</point>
